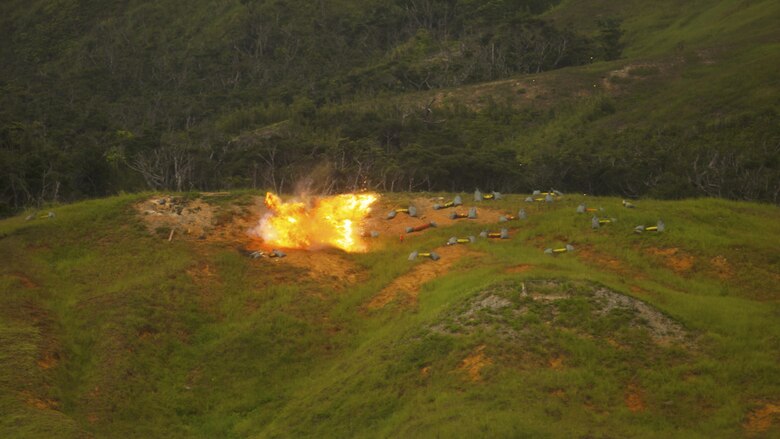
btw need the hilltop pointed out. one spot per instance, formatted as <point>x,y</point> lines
<point>112,325</point>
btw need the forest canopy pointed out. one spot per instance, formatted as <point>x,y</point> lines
<point>101,97</point>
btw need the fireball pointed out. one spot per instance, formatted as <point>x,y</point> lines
<point>319,222</point>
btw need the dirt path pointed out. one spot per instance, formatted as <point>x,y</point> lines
<point>406,287</point>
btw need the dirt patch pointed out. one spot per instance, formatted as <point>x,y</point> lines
<point>663,329</point>
<point>25,281</point>
<point>48,344</point>
<point>521,268</point>
<point>473,364</point>
<point>762,419</point>
<point>674,258</point>
<point>325,264</point>
<point>196,219</point>
<point>722,267</point>
<point>615,78</point>
<point>556,362</point>
<point>591,256</point>
<point>39,403</point>
<point>396,227</point>
<point>634,398</point>
<point>202,273</point>
<point>425,372</point>
<point>193,218</point>
<point>48,360</point>
<point>406,286</point>
<point>558,393</point>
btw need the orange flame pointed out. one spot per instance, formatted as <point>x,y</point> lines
<point>331,221</point>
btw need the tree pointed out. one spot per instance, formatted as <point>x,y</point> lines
<point>610,33</point>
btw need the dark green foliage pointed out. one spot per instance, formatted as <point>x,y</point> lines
<point>97,98</point>
<point>609,37</point>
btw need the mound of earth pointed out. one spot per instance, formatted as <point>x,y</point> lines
<point>196,218</point>
<point>588,309</point>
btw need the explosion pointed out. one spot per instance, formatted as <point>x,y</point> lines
<point>330,221</point>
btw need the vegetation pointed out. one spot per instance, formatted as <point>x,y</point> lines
<point>114,326</point>
<point>663,99</point>
<point>110,330</point>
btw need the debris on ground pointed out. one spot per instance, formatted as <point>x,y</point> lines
<point>557,251</point>
<point>479,196</point>
<point>420,228</point>
<point>521,215</point>
<point>192,217</point>
<point>32,216</point>
<point>457,201</point>
<point>659,227</point>
<point>597,222</point>
<point>503,234</point>
<point>411,211</point>
<point>455,240</point>
<point>417,254</point>
<point>425,212</point>
<point>458,215</point>
<point>582,208</point>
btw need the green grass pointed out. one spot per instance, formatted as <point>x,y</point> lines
<point>143,348</point>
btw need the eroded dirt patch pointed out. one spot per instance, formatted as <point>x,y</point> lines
<point>39,403</point>
<point>520,268</point>
<point>25,280</point>
<point>556,362</point>
<point>406,286</point>
<point>591,256</point>
<point>325,264</point>
<point>762,419</point>
<point>722,267</point>
<point>674,258</point>
<point>473,364</point>
<point>634,398</point>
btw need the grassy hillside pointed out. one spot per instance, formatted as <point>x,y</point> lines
<point>108,329</point>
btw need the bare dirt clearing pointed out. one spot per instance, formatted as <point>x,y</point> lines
<point>425,214</point>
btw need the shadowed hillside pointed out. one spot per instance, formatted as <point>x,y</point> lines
<point>626,98</point>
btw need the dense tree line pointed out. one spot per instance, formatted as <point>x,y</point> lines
<point>98,97</point>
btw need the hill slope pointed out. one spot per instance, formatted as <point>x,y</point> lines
<point>632,98</point>
<point>111,328</point>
